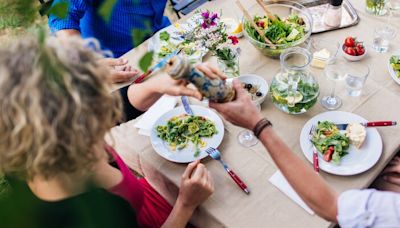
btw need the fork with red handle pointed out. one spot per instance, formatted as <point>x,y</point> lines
<point>216,155</point>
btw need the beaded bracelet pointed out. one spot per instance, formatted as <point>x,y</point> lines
<point>263,123</point>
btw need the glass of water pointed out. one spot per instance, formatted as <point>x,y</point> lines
<point>246,137</point>
<point>335,72</point>
<point>355,79</point>
<point>382,37</point>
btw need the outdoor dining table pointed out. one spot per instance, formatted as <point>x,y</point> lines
<point>267,206</point>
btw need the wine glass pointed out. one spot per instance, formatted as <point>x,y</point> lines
<point>246,137</point>
<point>335,72</point>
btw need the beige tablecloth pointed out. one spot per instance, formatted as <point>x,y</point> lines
<point>266,206</point>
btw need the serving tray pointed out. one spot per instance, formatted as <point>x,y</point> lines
<point>317,9</point>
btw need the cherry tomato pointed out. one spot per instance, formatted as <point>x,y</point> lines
<point>261,24</point>
<point>360,49</point>
<point>328,155</point>
<point>350,51</point>
<point>350,42</point>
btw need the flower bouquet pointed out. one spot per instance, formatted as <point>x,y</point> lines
<point>211,33</point>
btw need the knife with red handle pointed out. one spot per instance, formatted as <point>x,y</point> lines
<point>370,124</point>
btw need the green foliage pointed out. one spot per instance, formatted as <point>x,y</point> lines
<point>164,36</point>
<point>105,10</point>
<point>145,61</point>
<point>18,13</point>
<point>59,10</point>
<point>4,187</point>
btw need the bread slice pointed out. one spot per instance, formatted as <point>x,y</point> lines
<point>357,134</point>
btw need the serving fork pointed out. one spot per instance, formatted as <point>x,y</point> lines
<point>216,155</point>
<point>315,151</point>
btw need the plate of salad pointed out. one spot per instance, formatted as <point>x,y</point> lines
<point>170,39</point>
<point>394,67</point>
<point>336,153</point>
<point>182,138</point>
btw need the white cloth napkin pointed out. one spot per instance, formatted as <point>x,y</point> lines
<point>163,105</point>
<point>283,185</point>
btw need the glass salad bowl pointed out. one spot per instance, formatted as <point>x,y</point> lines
<point>292,27</point>
<point>293,89</point>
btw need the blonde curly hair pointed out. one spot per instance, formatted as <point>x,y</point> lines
<point>56,107</point>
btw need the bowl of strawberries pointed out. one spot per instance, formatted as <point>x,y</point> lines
<point>353,50</point>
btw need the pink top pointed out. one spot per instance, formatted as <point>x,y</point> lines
<point>151,208</point>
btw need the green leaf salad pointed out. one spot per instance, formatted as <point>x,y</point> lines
<point>395,64</point>
<point>330,142</point>
<point>180,130</point>
<point>278,31</point>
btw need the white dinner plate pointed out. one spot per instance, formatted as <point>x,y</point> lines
<point>186,155</point>
<point>392,72</point>
<point>357,161</point>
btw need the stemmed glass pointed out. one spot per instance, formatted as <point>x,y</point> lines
<point>334,71</point>
<point>246,137</point>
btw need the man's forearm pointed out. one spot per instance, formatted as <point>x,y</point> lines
<point>309,185</point>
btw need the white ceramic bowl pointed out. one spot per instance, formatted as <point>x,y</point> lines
<point>353,58</point>
<point>258,81</point>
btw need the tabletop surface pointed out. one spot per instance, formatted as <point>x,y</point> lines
<point>266,206</point>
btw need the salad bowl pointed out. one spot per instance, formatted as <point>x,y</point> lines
<point>291,16</point>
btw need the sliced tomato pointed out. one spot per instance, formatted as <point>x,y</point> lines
<point>328,155</point>
<point>327,133</point>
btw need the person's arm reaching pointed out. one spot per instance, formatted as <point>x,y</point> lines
<point>145,94</point>
<point>310,186</point>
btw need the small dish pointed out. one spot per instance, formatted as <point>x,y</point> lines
<point>258,81</point>
<point>353,58</point>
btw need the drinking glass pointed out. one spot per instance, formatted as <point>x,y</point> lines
<point>246,138</point>
<point>382,37</point>
<point>355,78</point>
<point>376,7</point>
<point>335,72</point>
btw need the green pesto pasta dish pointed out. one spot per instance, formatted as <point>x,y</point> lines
<point>183,129</point>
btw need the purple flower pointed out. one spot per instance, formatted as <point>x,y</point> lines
<point>204,25</point>
<point>213,23</point>
<point>205,14</point>
<point>214,16</point>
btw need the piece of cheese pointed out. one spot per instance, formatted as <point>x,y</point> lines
<point>320,58</point>
<point>357,134</point>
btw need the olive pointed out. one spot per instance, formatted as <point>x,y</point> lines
<point>249,86</point>
<point>258,94</point>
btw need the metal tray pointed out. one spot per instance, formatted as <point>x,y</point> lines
<point>318,8</point>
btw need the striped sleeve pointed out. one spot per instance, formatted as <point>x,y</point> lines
<point>76,11</point>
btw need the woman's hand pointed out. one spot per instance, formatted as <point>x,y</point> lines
<point>242,111</point>
<point>391,173</point>
<point>119,68</point>
<point>196,186</point>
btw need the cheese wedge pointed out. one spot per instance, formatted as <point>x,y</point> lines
<point>357,134</point>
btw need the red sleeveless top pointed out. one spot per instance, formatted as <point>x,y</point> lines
<point>151,208</point>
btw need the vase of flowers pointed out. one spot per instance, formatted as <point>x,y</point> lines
<point>212,34</point>
<point>376,7</point>
<point>228,61</point>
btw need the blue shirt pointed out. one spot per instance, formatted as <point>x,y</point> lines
<point>116,34</point>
